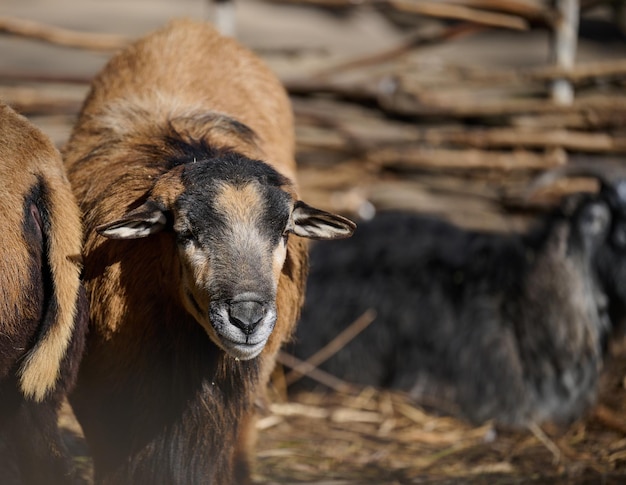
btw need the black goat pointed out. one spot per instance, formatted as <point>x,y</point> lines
<point>511,327</point>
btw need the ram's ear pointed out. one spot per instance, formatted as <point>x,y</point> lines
<point>146,219</point>
<point>307,221</point>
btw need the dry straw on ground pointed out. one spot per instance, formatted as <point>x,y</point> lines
<point>381,437</point>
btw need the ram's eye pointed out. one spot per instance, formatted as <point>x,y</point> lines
<point>184,236</point>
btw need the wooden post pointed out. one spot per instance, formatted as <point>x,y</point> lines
<point>564,45</point>
<point>222,14</point>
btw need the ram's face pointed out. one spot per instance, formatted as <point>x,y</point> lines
<point>231,220</point>
<point>232,245</point>
<point>599,221</point>
<point>613,266</point>
<point>610,259</point>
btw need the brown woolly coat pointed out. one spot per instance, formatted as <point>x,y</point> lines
<point>150,368</point>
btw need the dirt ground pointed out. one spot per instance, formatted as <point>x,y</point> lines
<point>371,437</point>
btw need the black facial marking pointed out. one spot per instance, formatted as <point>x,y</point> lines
<point>205,206</point>
<point>276,213</point>
<point>231,167</point>
<point>203,178</point>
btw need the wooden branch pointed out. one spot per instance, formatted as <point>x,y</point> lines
<point>609,418</point>
<point>338,4</point>
<point>459,12</point>
<point>339,132</point>
<point>564,46</point>
<point>579,73</point>
<point>545,440</point>
<point>334,346</point>
<point>30,101</point>
<point>370,89</point>
<point>44,78</point>
<point>414,41</point>
<point>56,35</point>
<point>358,91</point>
<point>528,9</point>
<point>396,96</point>
<point>593,120</point>
<point>396,99</point>
<point>449,10</point>
<point>316,374</point>
<point>457,204</point>
<point>519,138</point>
<point>443,159</point>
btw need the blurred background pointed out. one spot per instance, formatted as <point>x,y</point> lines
<point>442,107</point>
<point>452,101</point>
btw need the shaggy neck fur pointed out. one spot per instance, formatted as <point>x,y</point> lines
<point>171,400</point>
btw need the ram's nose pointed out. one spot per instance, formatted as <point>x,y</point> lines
<point>246,315</point>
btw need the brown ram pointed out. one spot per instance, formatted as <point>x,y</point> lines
<point>186,141</point>
<point>43,314</point>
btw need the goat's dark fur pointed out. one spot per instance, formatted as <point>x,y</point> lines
<point>484,325</point>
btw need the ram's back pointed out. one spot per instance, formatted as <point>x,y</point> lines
<point>186,80</point>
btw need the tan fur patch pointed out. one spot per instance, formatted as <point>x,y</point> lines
<point>241,204</point>
<point>25,155</point>
<point>41,368</point>
<point>278,259</point>
<point>195,276</point>
<point>242,207</point>
<point>168,187</point>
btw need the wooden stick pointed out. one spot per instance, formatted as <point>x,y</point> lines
<point>60,36</point>
<point>545,440</point>
<point>459,12</point>
<point>331,348</point>
<point>449,10</point>
<point>579,73</point>
<point>402,142</point>
<point>531,10</point>
<point>520,138</point>
<point>397,96</point>
<point>45,78</point>
<point>469,159</point>
<point>396,99</point>
<point>326,82</point>
<point>316,374</point>
<point>29,101</point>
<point>564,48</point>
<point>609,418</point>
<point>412,42</point>
<point>314,83</point>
